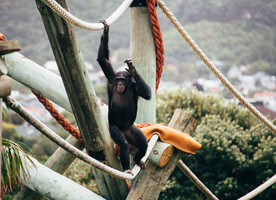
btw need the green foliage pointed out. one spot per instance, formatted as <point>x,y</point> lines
<point>12,162</point>
<point>237,153</point>
<point>81,173</point>
<point>9,132</point>
<point>198,105</point>
<point>43,146</point>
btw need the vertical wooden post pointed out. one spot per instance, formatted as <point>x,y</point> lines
<point>6,47</point>
<point>0,136</point>
<point>82,98</point>
<point>142,52</point>
<point>5,90</point>
<point>0,140</point>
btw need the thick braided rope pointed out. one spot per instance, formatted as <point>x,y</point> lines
<point>213,68</point>
<point>58,117</point>
<point>157,40</point>
<point>83,24</point>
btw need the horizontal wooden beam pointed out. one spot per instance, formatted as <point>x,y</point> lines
<point>59,161</point>
<point>37,78</point>
<point>53,185</point>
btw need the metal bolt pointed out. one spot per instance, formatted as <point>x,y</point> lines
<point>155,152</point>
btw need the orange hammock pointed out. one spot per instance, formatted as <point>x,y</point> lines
<point>178,139</point>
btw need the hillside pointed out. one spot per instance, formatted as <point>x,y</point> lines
<point>236,32</point>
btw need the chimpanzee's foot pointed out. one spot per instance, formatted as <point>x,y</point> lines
<point>141,164</point>
<point>129,171</point>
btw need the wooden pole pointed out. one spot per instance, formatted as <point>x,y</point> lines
<point>154,178</point>
<point>5,90</point>
<point>37,78</point>
<point>82,98</point>
<point>142,52</point>
<point>0,141</point>
<point>58,162</point>
<point>53,185</point>
<point>5,87</point>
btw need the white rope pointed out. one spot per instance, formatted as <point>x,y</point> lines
<point>83,24</point>
<point>196,181</point>
<point>259,189</point>
<point>16,106</point>
<point>213,68</point>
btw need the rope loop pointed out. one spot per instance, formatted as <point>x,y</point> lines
<point>83,24</point>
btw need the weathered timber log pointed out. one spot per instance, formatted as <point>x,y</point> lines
<point>153,178</point>
<point>82,97</point>
<point>3,67</point>
<point>7,47</point>
<point>5,87</point>
<point>37,78</point>
<point>58,162</point>
<point>53,185</point>
<point>0,136</point>
<point>142,53</point>
<point>161,153</point>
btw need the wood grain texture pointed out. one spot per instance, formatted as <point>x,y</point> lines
<point>82,96</point>
<point>142,53</point>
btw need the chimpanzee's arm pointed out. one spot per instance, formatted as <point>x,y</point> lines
<point>103,55</point>
<point>142,88</point>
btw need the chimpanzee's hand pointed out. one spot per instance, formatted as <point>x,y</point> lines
<point>131,68</point>
<point>106,26</point>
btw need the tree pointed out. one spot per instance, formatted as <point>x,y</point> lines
<point>233,160</point>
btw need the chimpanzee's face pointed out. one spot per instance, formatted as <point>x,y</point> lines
<point>122,81</point>
<point>120,85</point>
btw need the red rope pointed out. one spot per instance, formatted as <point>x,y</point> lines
<point>59,118</point>
<point>157,39</point>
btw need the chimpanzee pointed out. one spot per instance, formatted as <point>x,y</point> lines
<point>124,88</point>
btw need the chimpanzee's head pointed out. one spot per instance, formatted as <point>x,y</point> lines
<point>122,81</point>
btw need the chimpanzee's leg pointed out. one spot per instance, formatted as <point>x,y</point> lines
<point>135,137</point>
<point>119,138</point>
